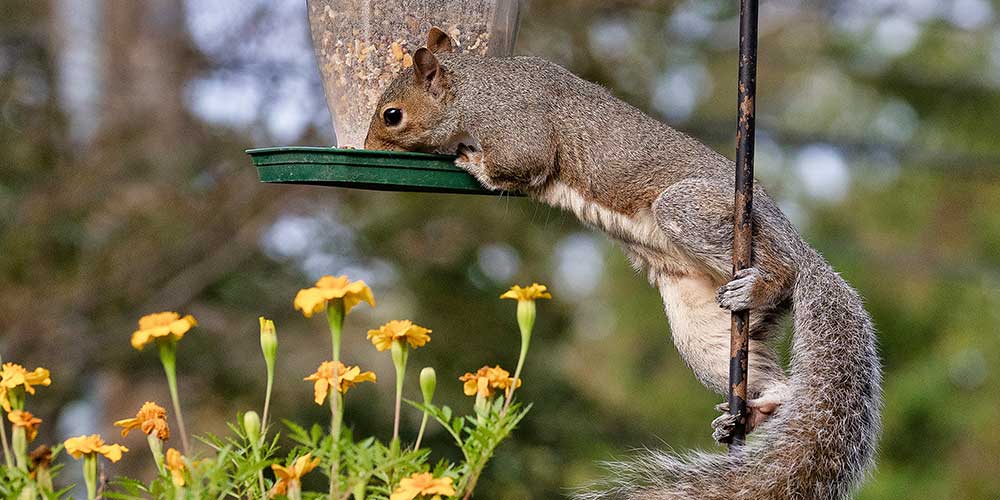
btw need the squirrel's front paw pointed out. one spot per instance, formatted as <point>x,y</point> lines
<point>737,294</point>
<point>472,161</point>
<point>468,157</point>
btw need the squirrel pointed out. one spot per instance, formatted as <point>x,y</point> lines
<point>525,124</point>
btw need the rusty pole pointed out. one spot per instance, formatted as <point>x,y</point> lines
<point>742,222</point>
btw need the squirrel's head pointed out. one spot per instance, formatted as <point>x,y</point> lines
<point>412,114</point>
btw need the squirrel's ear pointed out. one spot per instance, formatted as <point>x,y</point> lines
<point>439,41</point>
<point>427,71</point>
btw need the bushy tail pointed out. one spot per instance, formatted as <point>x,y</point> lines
<point>820,443</point>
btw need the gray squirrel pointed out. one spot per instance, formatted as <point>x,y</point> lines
<point>525,124</point>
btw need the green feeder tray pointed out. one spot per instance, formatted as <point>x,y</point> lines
<point>364,169</point>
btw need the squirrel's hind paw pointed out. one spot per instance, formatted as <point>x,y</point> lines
<point>759,410</point>
<point>723,425</point>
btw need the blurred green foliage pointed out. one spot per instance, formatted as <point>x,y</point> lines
<point>124,190</point>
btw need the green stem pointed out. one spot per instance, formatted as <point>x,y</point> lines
<point>19,443</point>
<point>90,474</point>
<point>294,490</point>
<point>260,475</point>
<point>335,318</point>
<point>263,424</point>
<point>472,486</point>
<point>525,322</point>
<point>336,420</point>
<point>263,429</point>
<point>156,448</point>
<point>28,493</point>
<point>168,357</point>
<point>6,448</point>
<point>399,356</point>
<point>267,403</point>
<point>420,435</point>
<point>359,490</point>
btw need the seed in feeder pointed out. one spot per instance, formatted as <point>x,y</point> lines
<point>407,60</point>
<point>397,51</point>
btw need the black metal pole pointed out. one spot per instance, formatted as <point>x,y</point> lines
<point>742,221</point>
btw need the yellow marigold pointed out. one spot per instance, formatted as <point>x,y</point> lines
<point>13,375</point>
<point>403,330</point>
<point>87,445</point>
<point>175,464</point>
<point>162,324</point>
<point>150,418</point>
<point>314,300</point>
<point>486,380</point>
<point>291,477</point>
<point>532,292</point>
<point>423,484</point>
<point>21,418</point>
<point>335,373</point>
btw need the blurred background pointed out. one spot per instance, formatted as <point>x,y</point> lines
<point>124,190</point>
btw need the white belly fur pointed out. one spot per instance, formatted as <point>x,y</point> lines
<point>700,328</point>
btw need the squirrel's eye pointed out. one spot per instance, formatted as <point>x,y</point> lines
<point>392,116</point>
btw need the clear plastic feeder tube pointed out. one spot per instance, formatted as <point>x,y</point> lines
<point>361,45</point>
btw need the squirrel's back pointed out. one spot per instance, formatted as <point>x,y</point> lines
<point>645,154</point>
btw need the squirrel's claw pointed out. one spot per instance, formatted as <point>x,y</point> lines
<point>468,155</point>
<point>736,295</point>
<point>723,425</point>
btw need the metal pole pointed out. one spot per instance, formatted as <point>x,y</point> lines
<point>742,222</point>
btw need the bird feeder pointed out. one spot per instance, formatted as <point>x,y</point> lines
<point>361,46</point>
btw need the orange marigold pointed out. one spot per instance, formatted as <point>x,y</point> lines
<point>314,300</point>
<point>486,380</point>
<point>423,484</point>
<point>161,325</point>
<point>336,374</point>
<point>151,418</point>
<point>402,330</point>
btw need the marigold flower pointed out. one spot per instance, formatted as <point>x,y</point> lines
<point>404,330</point>
<point>150,418</point>
<point>13,375</point>
<point>93,444</point>
<point>175,464</point>
<point>314,300</point>
<point>335,373</point>
<point>291,477</point>
<point>21,418</point>
<point>423,484</point>
<point>532,292</point>
<point>486,380</point>
<point>162,324</point>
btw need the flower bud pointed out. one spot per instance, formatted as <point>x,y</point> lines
<point>268,341</point>
<point>251,426</point>
<point>428,382</point>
